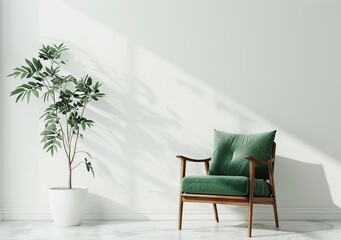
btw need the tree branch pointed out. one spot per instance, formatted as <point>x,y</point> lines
<point>76,141</point>
<point>76,165</point>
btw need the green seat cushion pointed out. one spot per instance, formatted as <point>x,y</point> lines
<point>224,185</point>
<point>230,149</point>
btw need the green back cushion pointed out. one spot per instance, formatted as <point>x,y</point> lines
<point>230,149</point>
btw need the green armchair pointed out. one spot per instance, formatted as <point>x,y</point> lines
<point>240,172</point>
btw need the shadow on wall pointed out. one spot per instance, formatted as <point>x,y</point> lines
<point>211,41</point>
<point>130,139</point>
<point>300,184</point>
<point>125,124</point>
<point>135,134</point>
<point>293,188</point>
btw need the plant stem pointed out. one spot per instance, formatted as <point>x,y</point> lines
<point>85,153</point>
<point>77,165</point>
<point>75,146</point>
<point>77,136</point>
<point>67,127</point>
<point>65,138</point>
<point>70,177</point>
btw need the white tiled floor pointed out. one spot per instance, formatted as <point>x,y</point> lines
<point>164,230</point>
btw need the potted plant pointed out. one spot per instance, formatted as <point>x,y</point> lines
<point>65,121</point>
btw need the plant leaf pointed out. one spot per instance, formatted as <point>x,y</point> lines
<point>89,167</point>
<point>31,65</point>
<point>37,64</point>
<point>35,92</point>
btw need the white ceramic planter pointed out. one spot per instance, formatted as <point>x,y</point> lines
<point>67,205</point>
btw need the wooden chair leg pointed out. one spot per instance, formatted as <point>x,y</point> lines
<point>181,204</point>
<point>215,212</point>
<point>275,212</point>
<point>250,219</point>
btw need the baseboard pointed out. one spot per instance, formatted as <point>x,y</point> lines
<point>241,214</point>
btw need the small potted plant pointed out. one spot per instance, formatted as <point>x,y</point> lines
<point>65,121</point>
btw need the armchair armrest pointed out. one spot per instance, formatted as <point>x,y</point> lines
<point>270,162</point>
<point>192,159</point>
<point>183,164</point>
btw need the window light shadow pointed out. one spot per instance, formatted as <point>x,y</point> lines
<point>162,102</point>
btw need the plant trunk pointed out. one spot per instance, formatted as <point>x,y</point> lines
<point>70,177</point>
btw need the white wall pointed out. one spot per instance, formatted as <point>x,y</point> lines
<point>173,71</point>
<point>1,21</point>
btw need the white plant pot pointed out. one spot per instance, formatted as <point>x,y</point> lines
<point>67,205</point>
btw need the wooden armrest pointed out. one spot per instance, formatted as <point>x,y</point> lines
<point>192,159</point>
<point>264,162</point>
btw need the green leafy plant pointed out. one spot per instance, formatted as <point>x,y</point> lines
<point>64,118</point>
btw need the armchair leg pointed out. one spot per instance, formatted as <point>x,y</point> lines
<point>181,204</point>
<point>215,212</point>
<point>275,212</point>
<point>250,219</point>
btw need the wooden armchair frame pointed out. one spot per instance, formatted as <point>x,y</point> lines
<point>235,200</point>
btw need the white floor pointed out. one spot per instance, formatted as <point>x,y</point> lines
<point>164,230</point>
